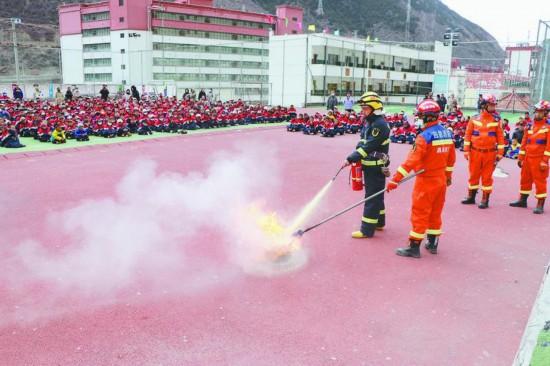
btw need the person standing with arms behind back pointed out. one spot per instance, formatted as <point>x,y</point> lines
<point>332,101</point>
<point>533,159</point>
<point>434,153</point>
<point>483,148</point>
<point>372,151</point>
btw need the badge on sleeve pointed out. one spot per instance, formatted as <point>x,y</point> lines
<point>375,132</point>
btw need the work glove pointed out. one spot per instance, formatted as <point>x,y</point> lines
<point>386,171</point>
<point>499,158</point>
<point>449,181</point>
<point>391,186</point>
<point>467,156</point>
<point>520,163</point>
<point>543,165</point>
<point>346,163</point>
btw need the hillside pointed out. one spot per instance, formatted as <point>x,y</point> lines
<point>385,20</point>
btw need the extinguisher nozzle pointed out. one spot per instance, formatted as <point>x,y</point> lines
<point>298,233</point>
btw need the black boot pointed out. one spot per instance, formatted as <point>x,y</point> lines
<point>522,202</point>
<point>471,199</point>
<point>484,201</point>
<point>431,245</point>
<point>413,250</point>
<point>540,207</point>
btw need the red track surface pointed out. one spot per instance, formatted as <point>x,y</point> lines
<point>354,303</point>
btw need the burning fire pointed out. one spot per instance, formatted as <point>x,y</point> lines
<point>279,242</point>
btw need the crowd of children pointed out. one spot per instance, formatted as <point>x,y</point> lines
<point>403,130</point>
<point>81,118</point>
<point>328,125</point>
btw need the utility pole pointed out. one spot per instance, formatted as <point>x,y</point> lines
<point>320,11</point>
<point>15,21</point>
<point>408,22</point>
<point>451,38</point>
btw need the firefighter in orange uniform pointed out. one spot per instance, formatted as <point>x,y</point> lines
<point>483,148</point>
<point>533,159</point>
<point>434,152</point>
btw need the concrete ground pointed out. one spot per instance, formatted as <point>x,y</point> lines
<point>352,303</point>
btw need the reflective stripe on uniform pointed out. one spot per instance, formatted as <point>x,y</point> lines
<point>362,152</point>
<point>372,162</point>
<point>449,169</point>
<point>486,188</point>
<point>370,221</point>
<point>434,232</point>
<point>386,142</point>
<point>500,146</point>
<point>542,195</point>
<point>363,141</point>
<point>477,123</point>
<point>403,172</point>
<point>522,152</point>
<point>442,142</point>
<point>547,153</point>
<point>492,124</point>
<point>524,192</point>
<point>382,212</point>
<point>473,187</point>
<point>467,143</point>
<point>416,235</point>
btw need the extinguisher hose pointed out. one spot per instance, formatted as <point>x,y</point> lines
<point>407,178</point>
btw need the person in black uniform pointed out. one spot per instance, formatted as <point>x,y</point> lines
<point>372,151</point>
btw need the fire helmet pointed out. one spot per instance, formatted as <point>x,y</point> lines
<point>371,99</point>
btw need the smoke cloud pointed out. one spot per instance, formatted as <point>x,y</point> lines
<point>161,233</point>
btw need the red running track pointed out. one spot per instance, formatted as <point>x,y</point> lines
<point>354,303</point>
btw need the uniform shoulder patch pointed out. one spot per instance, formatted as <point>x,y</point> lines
<point>375,132</point>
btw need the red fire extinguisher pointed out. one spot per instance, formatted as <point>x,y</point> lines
<point>356,176</point>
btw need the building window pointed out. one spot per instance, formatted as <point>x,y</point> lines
<point>97,32</point>
<point>195,48</point>
<point>207,19</point>
<point>121,35</point>
<point>92,17</point>
<point>121,19</point>
<point>120,2</point>
<point>97,62</point>
<point>202,34</point>
<point>122,50</point>
<point>97,47</point>
<point>98,77</point>
<point>123,67</point>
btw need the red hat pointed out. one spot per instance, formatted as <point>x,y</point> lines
<point>428,107</point>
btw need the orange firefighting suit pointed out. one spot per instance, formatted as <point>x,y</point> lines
<point>434,151</point>
<point>534,154</point>
<point>483,142</point>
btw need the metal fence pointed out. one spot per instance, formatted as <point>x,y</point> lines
<point>541,75</point>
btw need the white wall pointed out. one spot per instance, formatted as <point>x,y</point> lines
<point>71,59</point>
<point>520,62</point>
<point>137,57</point>
<point>287,70</point>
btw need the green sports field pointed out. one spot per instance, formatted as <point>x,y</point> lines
<point>32,145</point>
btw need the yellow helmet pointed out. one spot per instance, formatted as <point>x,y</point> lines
<point>371,99</point>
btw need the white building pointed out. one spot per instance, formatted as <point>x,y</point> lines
<point>304,69</point>
<point>173,44</point>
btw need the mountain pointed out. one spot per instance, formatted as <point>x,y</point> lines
<point>386,20</point>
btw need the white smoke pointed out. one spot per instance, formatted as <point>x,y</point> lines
<point>160,233</point>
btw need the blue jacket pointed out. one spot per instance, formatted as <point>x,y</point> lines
<point>80,133</point>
